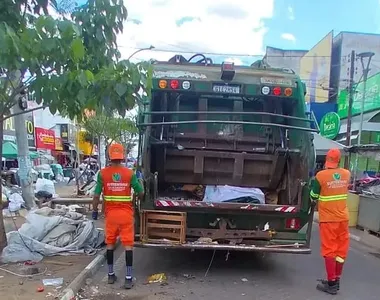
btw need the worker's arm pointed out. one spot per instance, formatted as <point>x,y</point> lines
<point>137,187</point>
<point>315,189</point>
<point>97,192</point>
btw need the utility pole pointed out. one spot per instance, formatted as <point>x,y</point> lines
<point>366,70</point>
<point>23,156</point>
<point>350,103</point>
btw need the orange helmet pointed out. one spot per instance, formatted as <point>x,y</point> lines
<point>332,158</point>
<point>116,152</point>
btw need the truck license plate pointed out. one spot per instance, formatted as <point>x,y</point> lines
<point>226,89</point>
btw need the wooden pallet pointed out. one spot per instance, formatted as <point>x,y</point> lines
<point>158,226</point>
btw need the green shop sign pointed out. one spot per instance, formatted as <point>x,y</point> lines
<point>330,125</point>
<point>372,99</point>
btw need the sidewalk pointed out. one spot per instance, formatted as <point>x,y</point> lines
<point>14,284</point>
<point>358,235</point>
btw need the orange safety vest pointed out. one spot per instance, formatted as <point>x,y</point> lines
<point>117,188</point>
<point>332,202</point>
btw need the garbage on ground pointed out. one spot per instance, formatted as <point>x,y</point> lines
<point>244,279</point>
<point>12,200</point>
<point>157,278</point>
<point>50,232</point>
<point>45,185</point>
<point>188,276</point>
<point>52,282</point>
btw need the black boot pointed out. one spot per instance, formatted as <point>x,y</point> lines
<point>112,278</point>
<point>329,287</point>
<point>128,284</point>
<point>337,283</point>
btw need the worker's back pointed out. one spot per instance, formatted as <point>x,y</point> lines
<point>332,204</point>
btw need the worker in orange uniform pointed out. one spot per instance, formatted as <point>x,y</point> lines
<point>116,181</point>
<point>330,188</point>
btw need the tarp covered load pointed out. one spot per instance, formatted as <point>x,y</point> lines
<point>50,232</point>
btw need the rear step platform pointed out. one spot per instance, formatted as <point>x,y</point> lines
<point>169,204</point>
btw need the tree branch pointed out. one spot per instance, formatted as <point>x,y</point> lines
<point>23,112</point>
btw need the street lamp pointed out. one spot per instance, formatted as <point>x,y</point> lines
<point>151,47</point>
<point>364,56</point>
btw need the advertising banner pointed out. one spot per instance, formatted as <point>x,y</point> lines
<point>10,131</point>
<point>45,139</point>
<point>372,97</point>
<point>315,70</point>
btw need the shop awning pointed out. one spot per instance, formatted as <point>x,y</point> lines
<point>322,144</point>
<point>356,120</point>
<point>10,151</point>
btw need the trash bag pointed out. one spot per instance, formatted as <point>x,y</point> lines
<point>45,185</point>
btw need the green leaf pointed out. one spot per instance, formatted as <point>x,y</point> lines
<point>89,75</point>
<point>121,89</point>
<point>82,96</point>
<point>52,108</point>
<point>77,49</point>
<point>83,79</point>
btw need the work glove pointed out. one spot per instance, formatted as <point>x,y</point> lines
<point>95,215</point>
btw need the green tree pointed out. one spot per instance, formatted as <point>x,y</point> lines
<point>67,63</point>
<point>111,129</point>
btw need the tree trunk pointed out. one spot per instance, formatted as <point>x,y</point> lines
<point>23,158</point>
<point>3,236</point>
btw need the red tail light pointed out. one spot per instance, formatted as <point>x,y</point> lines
<point>294,224</point>
<point>174,84</point>
<point>277,91</point>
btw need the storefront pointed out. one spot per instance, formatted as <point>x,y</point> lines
<point>45,144</point>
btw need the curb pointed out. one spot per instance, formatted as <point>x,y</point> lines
<point>73,288</point>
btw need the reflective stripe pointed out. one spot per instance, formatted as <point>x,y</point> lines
<point>333,197</point>
<point>339,259</point>
<point>118,198</point>
<point>314,195</point>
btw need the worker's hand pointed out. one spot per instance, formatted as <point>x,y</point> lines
<point>95,215</point>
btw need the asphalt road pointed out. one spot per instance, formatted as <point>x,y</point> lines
<point>243,276</point>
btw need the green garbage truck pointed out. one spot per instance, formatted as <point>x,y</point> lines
<point>227,154</point>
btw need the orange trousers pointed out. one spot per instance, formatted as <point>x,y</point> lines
<point>120,223</point>
<point>335,240</point>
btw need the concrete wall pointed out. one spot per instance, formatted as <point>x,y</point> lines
<point>280,58</point>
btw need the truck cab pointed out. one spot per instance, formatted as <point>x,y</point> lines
<point>229,150</point>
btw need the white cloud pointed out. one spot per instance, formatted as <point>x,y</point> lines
<point>226,26</point>
<point>235,60</point>
<point>291,13</point>
<point>288,36</point>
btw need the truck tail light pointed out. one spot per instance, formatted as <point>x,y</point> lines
<point>162,84</point>
<point>174,84</point>
<point>276,91</point>
<point>293,224</point>
<point>288,92</point>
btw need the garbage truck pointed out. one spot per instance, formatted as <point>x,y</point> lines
<point>227,156</point>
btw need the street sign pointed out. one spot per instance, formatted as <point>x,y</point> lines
<point>330,125</point>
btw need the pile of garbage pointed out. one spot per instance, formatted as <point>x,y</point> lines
<point>50,232</point>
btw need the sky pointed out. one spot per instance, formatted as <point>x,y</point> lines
<point>238,28</point>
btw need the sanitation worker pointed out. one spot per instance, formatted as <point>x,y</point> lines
<point>116,181</point>
<point>330,189</point>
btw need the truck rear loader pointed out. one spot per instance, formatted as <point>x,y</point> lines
<point>227,154</point>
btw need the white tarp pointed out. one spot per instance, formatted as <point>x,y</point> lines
<point>44,235</point>
<point>223,193</point>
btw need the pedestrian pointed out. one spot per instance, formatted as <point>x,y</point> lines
<point>330,189</point>
<point>116,181</point>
